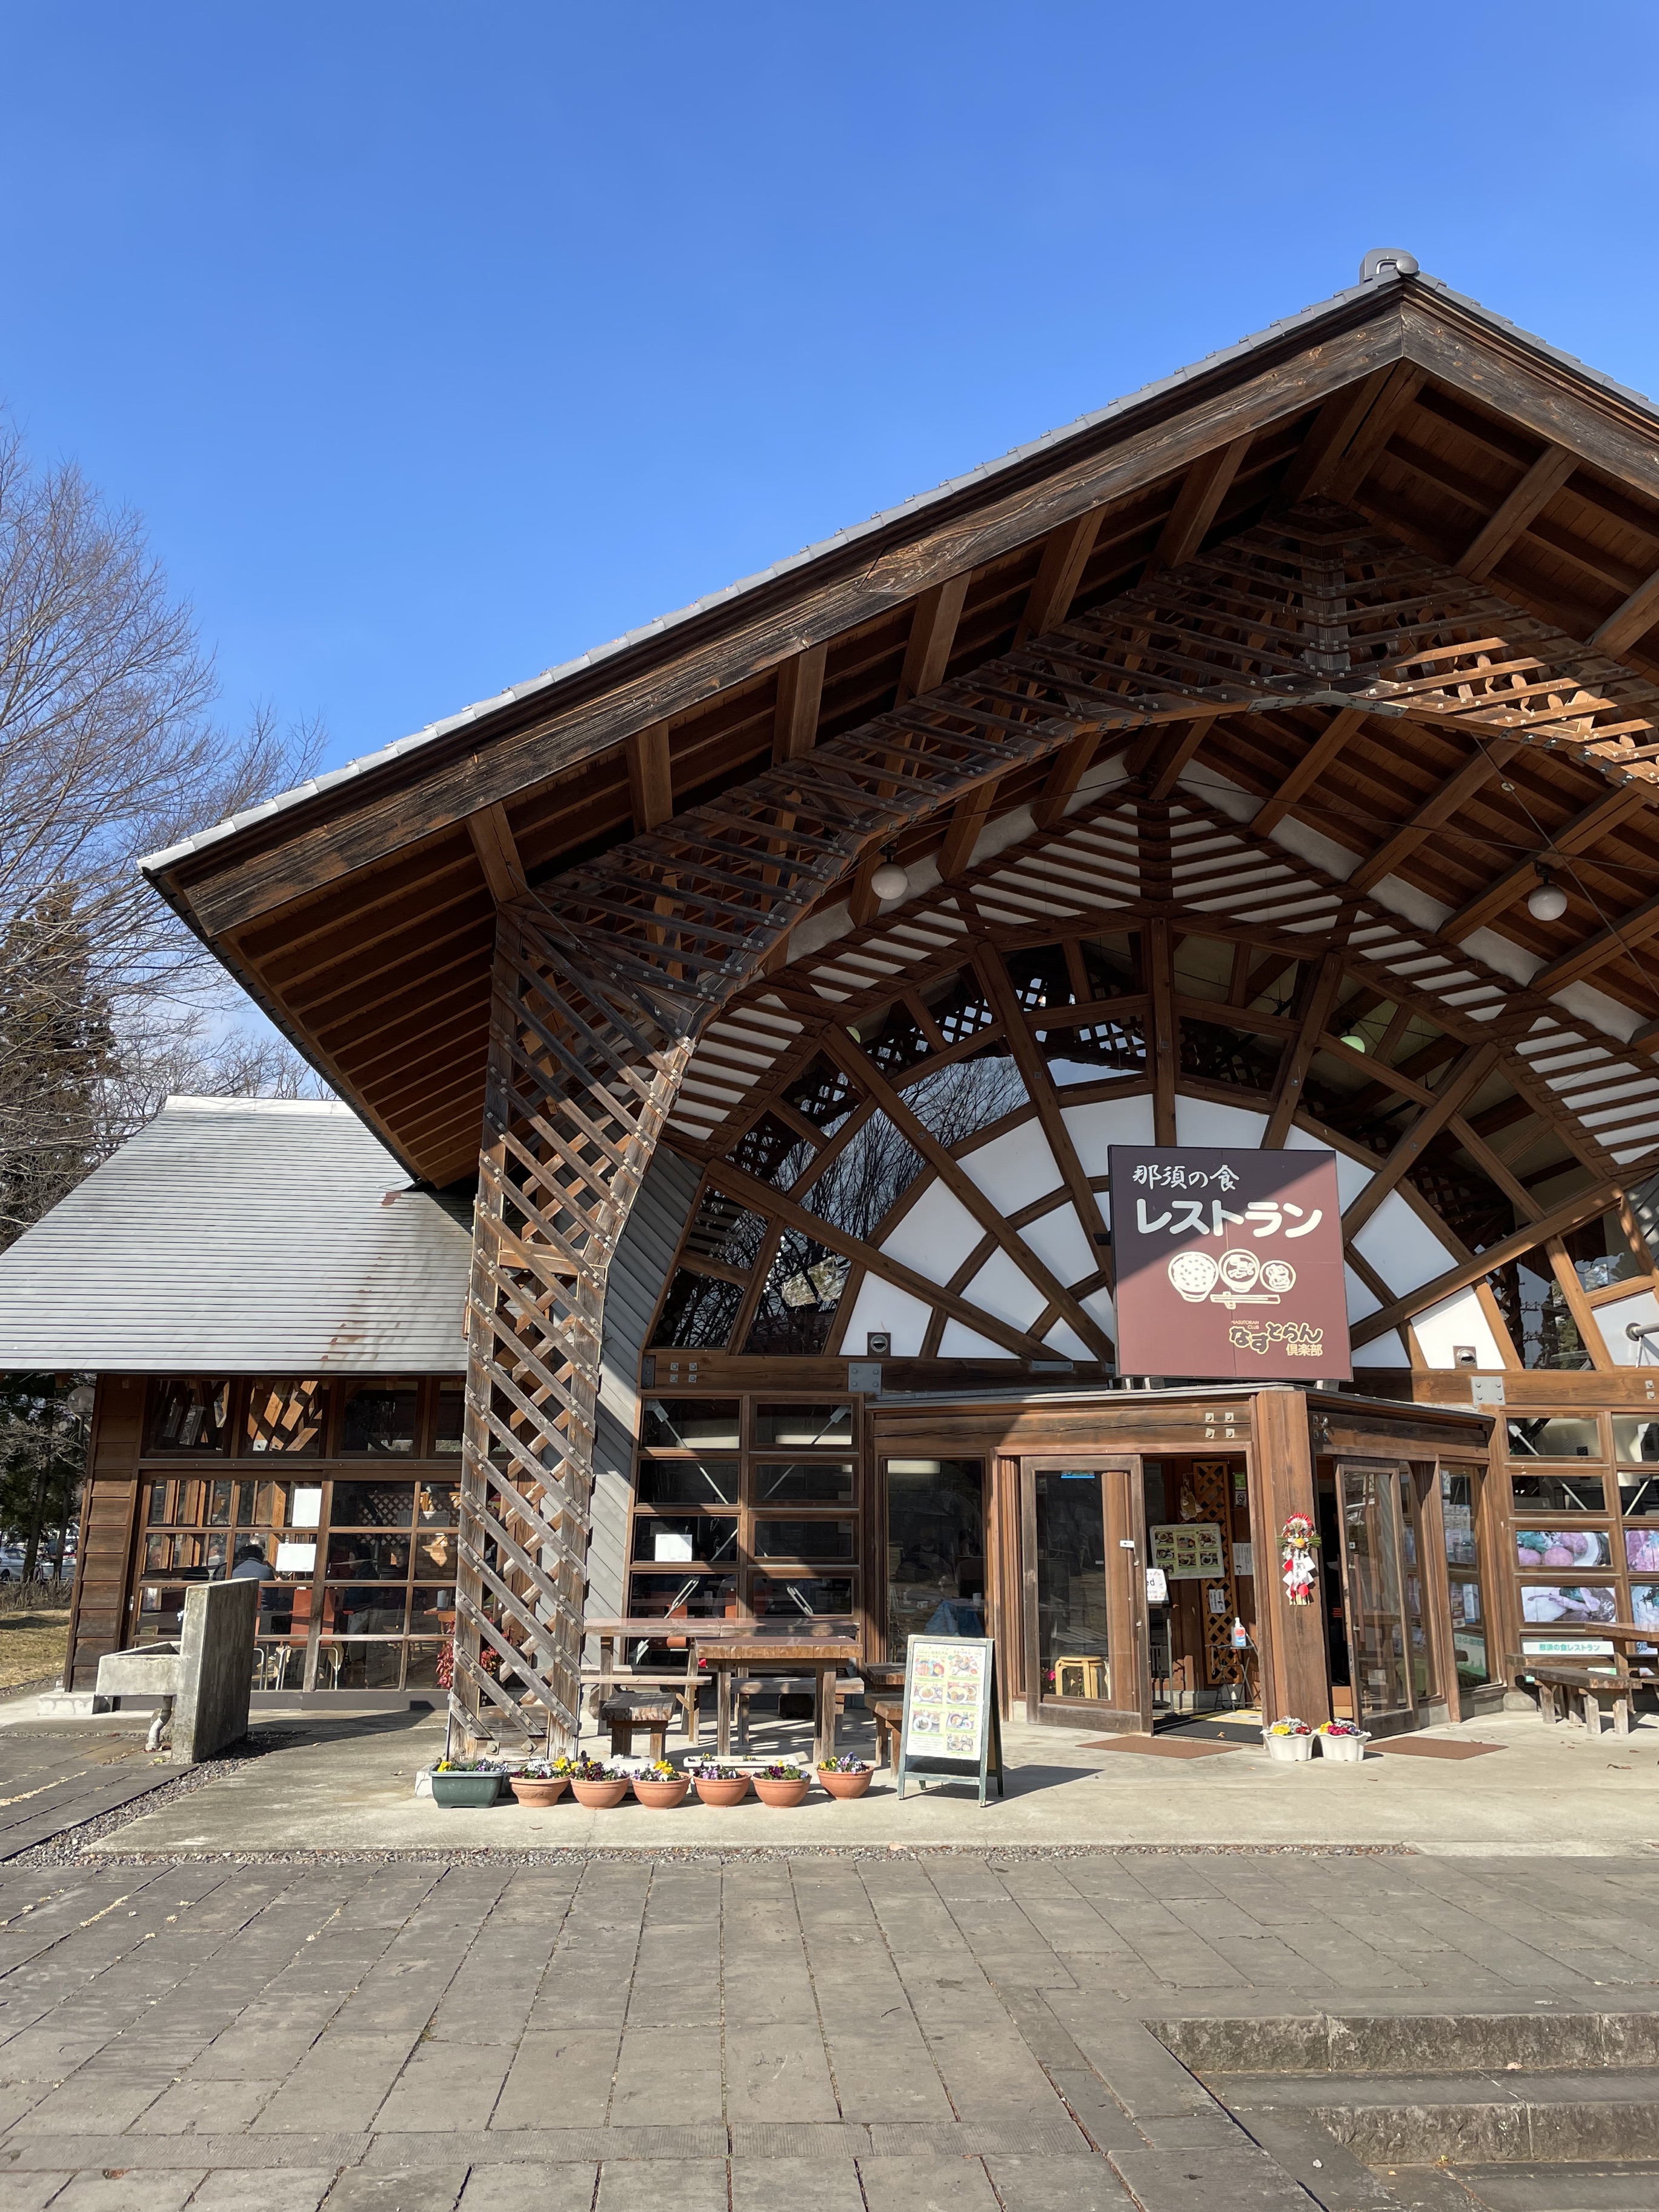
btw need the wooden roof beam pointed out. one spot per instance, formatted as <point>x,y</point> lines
<point>801,697</point>
<point>1536,488</point>
<point>1323,985</point>
<point>1437,810</point>
<point>1197,504</point>
<point>1582,831</point>
<point>1065,555</point>
<point>1464,1081</point>
<point>498,855</point>
<point>650,777</point>
<point>1308,770</point>
<point>1631,620</point>
<point>1621,936</point>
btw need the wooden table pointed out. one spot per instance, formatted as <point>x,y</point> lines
<point>654,1628</point>
<point>822,1656</point>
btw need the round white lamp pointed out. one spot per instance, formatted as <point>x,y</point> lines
<point>1549,901</point>
<point>889,882</point>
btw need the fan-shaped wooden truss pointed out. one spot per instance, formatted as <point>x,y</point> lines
<point>606,978</point>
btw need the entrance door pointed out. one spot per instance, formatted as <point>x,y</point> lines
<point>1390,1657</point>
<point>1084,1595</point>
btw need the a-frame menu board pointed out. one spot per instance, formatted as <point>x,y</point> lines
<point>952,1727</point>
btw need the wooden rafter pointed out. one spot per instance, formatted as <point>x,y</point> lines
<point>800,693</point>
<point>1460,1086</point>
<point>650,777</point>
<point>1536,488</point>
<point>1437,810</point>
<point>1592,822</point>
<point>498,856</point>
<point>1631,619</point>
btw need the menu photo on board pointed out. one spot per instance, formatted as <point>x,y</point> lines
<point>1229,1263</point>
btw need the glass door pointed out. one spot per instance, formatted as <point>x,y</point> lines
<point>1390,1655</point>
<point>1085,1589</point>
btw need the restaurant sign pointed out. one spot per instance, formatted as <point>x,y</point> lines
<point>1229,1264</point>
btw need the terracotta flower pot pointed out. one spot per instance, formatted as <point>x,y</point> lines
<point>841,1784</point>
<point>773,1789</point>
<point>731,1792</point>
<point>661,1796</point>
<point>536,1794</point>
<point>600,1797</point>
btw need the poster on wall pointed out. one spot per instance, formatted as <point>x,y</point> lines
<point>1229,1263</point>
<point>1187,1551</point>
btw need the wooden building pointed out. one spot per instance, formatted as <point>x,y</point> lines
<point>1268,761</point>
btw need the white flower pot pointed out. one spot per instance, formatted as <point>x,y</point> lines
<point>1347,1749</point>
<point>1294,1750</point>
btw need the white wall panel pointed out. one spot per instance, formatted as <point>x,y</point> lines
<point>1001,1288</point>
<point>1064,1339</point>
<point>1615,1319</point>
<point>1059,1240</point>
<point>1099,1304</point>
<point>1404,1250</point>
<point>1350,1177</point>
<point>1457,1320</point>
<point>1111,1122</point>
<point>1013,1169</point>
<point>1381,1351</point>
<point>1361,1301</point>
<point>883,1305</point>
<point>1207,1122</point>
<point>936,1235</point>
<point>960,1343</point>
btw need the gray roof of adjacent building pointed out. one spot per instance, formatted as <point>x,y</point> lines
<point>242,1235</point>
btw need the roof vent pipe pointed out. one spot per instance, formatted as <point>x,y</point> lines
<point>1386,261</point>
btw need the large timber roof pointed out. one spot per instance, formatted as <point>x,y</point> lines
<point>359,911</point>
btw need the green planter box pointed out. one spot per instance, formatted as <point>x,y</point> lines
<point>456,1789</point>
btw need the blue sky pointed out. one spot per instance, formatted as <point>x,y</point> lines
<point>437,343</point>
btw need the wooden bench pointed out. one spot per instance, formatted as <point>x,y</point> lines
<point>890,1720</point>
<point>626,1716</point>
<point>601,1684</point>
<point>847,1686</point>
<point>1558,1680</point>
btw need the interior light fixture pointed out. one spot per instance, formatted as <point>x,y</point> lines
<point>1354,1041</point>
<point>890,881</point>
<point>1549,901</point>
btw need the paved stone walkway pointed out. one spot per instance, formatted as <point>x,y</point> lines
<point>888,2032</point>
<point>53,1779</point>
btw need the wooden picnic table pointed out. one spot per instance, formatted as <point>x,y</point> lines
<point>1596,1675</point>
<point>702,1634</point>
<point>822,1656</point>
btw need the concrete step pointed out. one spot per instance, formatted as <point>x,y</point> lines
<point>1504,2118</point>
<point>1542,2039</point>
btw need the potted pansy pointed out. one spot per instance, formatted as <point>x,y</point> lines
<point>1291,1740</point>
<point>661,1786</point>
<point>460,1781</point>
<point>540,1782</point>
<point>1343,1739</point>
<point>717,1784</point>
<point>845,1777</point>
<point>596,1785</point>
<point>782,1784</point>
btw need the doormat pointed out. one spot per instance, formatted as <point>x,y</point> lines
<point>1161,1747</point>
<point>1417,1747</point>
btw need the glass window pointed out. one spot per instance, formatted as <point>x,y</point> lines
<point>421,1668</point>
<point>367,1559</point>
<point>1639,1500</point>
<point>773,1153</point>
<point>797,1307</point>
<point>157,1509</point>
<point>1636,1441</point>
<point>682,1537</point>
<point>450,1418</point>
<point>935,1547</point>
<point>190,1415</point>
<point>1554,1436</point>
<point>359,1666</point>
<point>367,1609</point>
<point>437,1505</point>
<point>1601,1254</point>
<point>795,1425</point>
<point>803,1540</point>
<point>1645,1604</point>
<point>1560,1494</point>
<point>262,1505</point>
<point>699,1313</point>
<point>866,1179</point>
<point>792,1601</point>
<point>1457,1503</point>
<point>690,1422</point>
<point>688,1482</point>
<point>1072,1649</point>
<point>689,1596</point>
<point>435,1555</point>
<point>1641,1550</point>
<point>380,1419</point>
<point>287,1417</point>
<point>1574,1605</point>
<point>431,1610</point>
<point>803,1482</point>
<point>1540,1549</point>
<point>373,1504</point>
<point>726,1232</point>
<point>956,1101</point>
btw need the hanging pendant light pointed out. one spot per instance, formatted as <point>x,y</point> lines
<point>890,881</point>
<point>1549,901</point>
<point>1354,1041</point>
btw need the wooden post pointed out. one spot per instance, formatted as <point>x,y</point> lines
<point>1295,1672</point>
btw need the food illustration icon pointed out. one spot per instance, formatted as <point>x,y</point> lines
<point>1277,1275</point>
<point>1238,1270</point>
<point>1194,1274</point>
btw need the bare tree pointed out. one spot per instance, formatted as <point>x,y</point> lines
<point>107,751</point>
